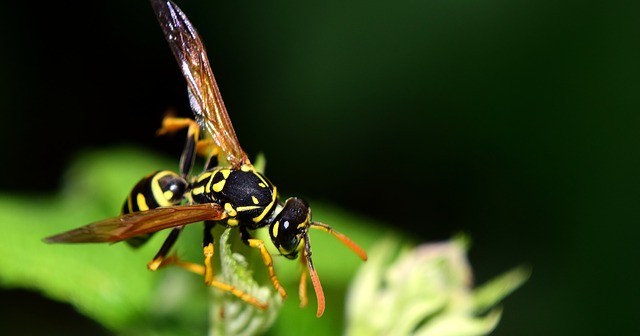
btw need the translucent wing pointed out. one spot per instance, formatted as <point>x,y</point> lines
<point>204,95</point>
<point>134,224</point>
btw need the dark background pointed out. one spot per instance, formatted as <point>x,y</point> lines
<point>514,121</point>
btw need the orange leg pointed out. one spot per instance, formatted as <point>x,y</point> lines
<point>266,258</point>
<point>302,290</point>
<point>194,146</point>
<point>207,272</point>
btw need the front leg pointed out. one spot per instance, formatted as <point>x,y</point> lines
<point>266,258</point>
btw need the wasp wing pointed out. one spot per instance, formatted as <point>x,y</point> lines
<point>119,228</point>
<point>204,95</point>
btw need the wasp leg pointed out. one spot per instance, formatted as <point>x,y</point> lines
<point>205,148</point>
<point>207,270</point>
<point>208,149</point>
<point>266,258</point>
<point>302,289</point>
<point>173,260</point>
<point>200,270</point>
<point>188,157</point>
<point>207,249</point>
<point>155,263</point>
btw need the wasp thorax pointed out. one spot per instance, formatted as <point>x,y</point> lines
<point>290,226</point>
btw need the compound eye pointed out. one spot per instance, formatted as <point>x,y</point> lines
<point>289,239</point>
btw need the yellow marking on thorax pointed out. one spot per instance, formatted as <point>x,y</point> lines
<point>141,201</point>
<point>274,195</point>
<point>208,175</point>
<point>201,189</point>
<point>203,176</point>
<point>254,199</point>
<point>247,208</point>
<point>230,210</point>
<point>197,191</point>
<point>232,222</point>
<point>218,186</point>
<point>264,183</point>
<point>208,185</point>
<point>225,173</point>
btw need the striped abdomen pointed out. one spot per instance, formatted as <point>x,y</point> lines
<point>160,188</point>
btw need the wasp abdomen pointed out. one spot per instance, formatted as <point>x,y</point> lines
<point>247,196</point>
<point>160,188</point>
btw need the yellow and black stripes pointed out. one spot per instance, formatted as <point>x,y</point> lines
<point>161,188</point>
<point>158,189</point>
<point>246,195</point>
<point>234,193</point>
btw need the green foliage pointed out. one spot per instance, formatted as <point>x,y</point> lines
<point>230,315</point>
<point>111,284</point>
<point>98,279</point>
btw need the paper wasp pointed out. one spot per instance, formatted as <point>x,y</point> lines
<point>234,193</point>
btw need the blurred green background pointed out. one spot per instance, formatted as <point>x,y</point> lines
<point>514,121</point>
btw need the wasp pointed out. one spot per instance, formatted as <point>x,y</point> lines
<point>229,191</point>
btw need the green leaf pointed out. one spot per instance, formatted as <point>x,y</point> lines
<point>111,284</point>
<point>228,314</point>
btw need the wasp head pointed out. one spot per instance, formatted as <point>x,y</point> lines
<point>290,226</point>
<point>289,232</point>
